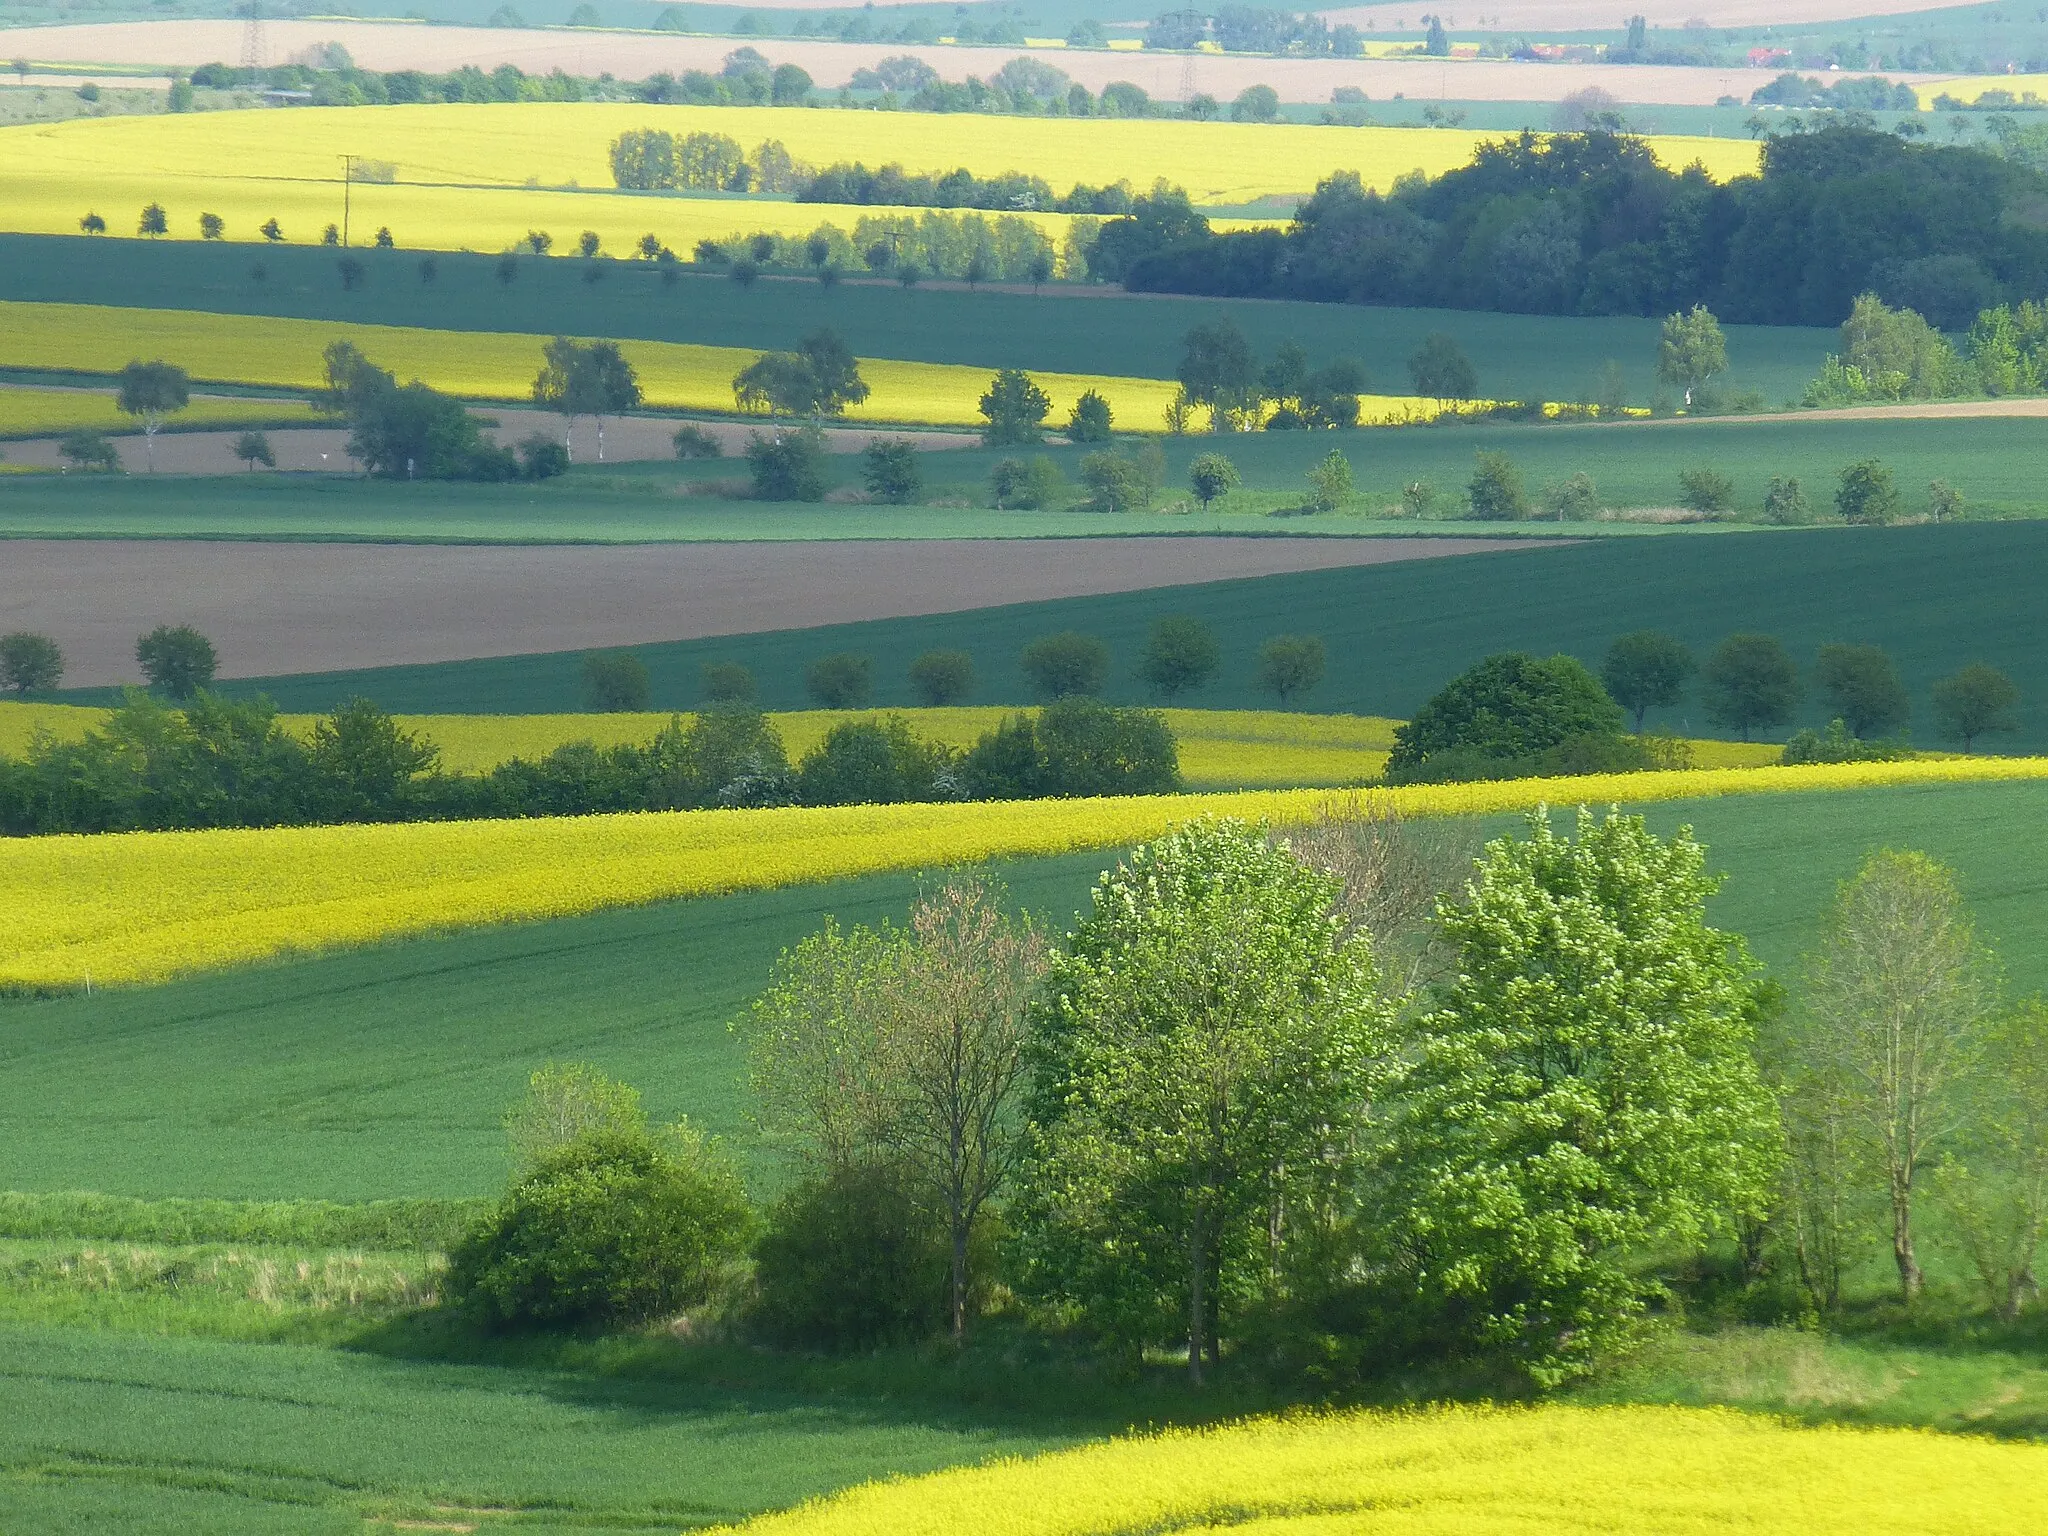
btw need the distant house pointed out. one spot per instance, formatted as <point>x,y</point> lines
<point>1768,58</point>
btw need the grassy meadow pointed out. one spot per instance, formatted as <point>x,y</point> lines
<point>1937,598</point>
<point>1061,330</point>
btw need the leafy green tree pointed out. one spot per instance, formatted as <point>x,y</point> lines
<point>1972,701</point>
<point>153,222</point>
<point>1862,685</point>
<point>1510,706</point>
<point>1255,104</point>
<point>941,677</point>
<point>1496,491</point>
<point>152,391</point>
<point>1123,482</point>
<point>1030,484</point>
<point>93,224</point>
<point>1575,499</point>
<point>588,244</point>
<point>614,681</point>
<point>1090,421</point>
<point>870,762</point>
<point>1436,43</point>
<point>788,465</point>
<point>1646,670</point>
<point>273,232</point>
<point>1896,1004</point>
<point>1014,408</point>
<point>566,1101</point>
<point>1217,370</point>
<point>365,766</point>
<point>1705,491</point>
<point>1785,503</point>
<point>253,448</point>
<point>1584,1094</point>
<point>1074,746</point>
<point>212,226</point>
<point>820,379</point>
<point>1201,1065</point>
<point>1211,476</point>
<point>1995,1193</point>
<point>1181,655</point>
<point>1867,493</point>
<point>890,470</point>
<point>1440,370</point>
<point>1065,665</point>
<point>1749,684</point>
<point>1291,664</point>
<point>89,451</point>
<point>843,680</point>
<point>586,379</point>
<point>725,682</point>
<point>177,659</point>
<point>1944,503</point>
<point>1691,349</point>
<point>1329,483</point>
<point>30,663</point>
<point>541,458</point>
<point>610,1228</point>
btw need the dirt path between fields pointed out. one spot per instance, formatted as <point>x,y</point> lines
<point>1914,410</point>
<point>277,608</point>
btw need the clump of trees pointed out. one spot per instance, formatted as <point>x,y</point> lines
<point>407,432</point>
<point>591,379</point>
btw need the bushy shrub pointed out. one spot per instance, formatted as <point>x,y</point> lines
<point>890,470</point>
<point>865,762</point>
<point>1495,490</point>
<point>788,466</point>
<point>89,452</point>
<point>1785,503</point>
<point>843,680</point>
<point>726,682</point>
<point>542,458</point>
<point>614,681</point>
<point>611,1228</point>
<point>1063,665</point>
<point>1031,484</point>
<point>1836,745</point>
<point>1867,494</point>
<point>1508,709</point>
<point>1072,748</point>
<point>1329,483</point>
<point>1123,482</point>
<point>849,1260</point>
<point>942,677</point>
<point>1574,499</point>
<point>1705,491</point>
<point>693,442</point>
<point>1090,421</point>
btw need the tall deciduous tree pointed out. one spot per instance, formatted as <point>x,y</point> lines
<point>1691,349</point>
<point>1586,1090</point>
<point>1200,1074</point>
<point>1862,685</point>
<point>1218,370</point>
<point>1181,654</point>
<point>585,379</point>
<point>1972,701</point>
<point>1646,670</point>
<point>30,663</point>
<point>1750,683</point>
<point>152,391</point>
<point>1439,369</point>
<point>1897,1001</point>
<point>1014,409</point>
<point>1996,1192</point>
<point>1291,664</point>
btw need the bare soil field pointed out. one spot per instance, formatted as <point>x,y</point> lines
<point>635,55</point>
<point>1537,16</point>
<point>626,438</point>
<point>273,608</point>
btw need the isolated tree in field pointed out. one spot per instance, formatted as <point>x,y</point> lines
<point>1014,408</point>
<point>842,680</point>
<point>271,231</point>
<point>1749,684</point>
<point>1255,104</point>
<point>30,663</point>
<point>1705,491</point>
<point>88,451</point>
<point>1217,370</point>
<point>587,244</point>
<point>890,470</point>
<point>942,677</point>
<point>154,221</point>
<point>585,379</point>
<point>1065,665</point>
<point>725,682</point>
<point>788,465</point>
<point>1944,502</point>
<point>152,391</point>
<point>614,681</point>
<point>1440,370</point>
<point>1123,482</point>
<point>1691,350</point>
<point>1329,483</point>
<point>93,224</point>
<point>253,448</point>
<point>1867,493</point>
<point>820,379</point>
<point>1785,502</point>
<point>1646,670</point>
<point>1862,686</point>
<point>1201,1069</point>
<point>1496,491</point>
<point>1290,665</point>
<point>176,659</point>
<point>1584,1094</point>
<point>1973,701</point>
<point>539,241</point>
<point>902,1049</point>
<point>1211,476</point>
<point>212,226</point>
<point>1090,420</point>
<point>1181,655</point>
<point>1898,998</point>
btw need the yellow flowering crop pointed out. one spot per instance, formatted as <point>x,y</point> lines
<point>1968,88</point>
<point>217,161</point>
<point>1551,1471</point>
<point>496,365</point>
<point>146,906</point>
<point>40,412</point>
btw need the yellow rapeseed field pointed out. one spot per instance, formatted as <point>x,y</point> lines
<point>37,412</point>
<point>1550,1471</point>
<point>500,365</point>
<point>1970,87</point>
<point>194,163</point>
<point>143,907</point>
<point>496,365</point>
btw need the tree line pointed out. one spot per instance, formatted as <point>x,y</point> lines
<point>1320,1105</point>
<point>1590,223</point>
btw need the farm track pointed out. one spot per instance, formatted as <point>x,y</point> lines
<point>388,46</point>
<point>276,608</point>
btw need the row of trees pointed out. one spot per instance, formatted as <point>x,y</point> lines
<point>1276,1100</point>
<point>176,659</point>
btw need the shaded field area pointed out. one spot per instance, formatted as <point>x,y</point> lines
<point>301,606</point>
<point>383,1072</point>
<point>1061,330</point>
<point>1937,598</point>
